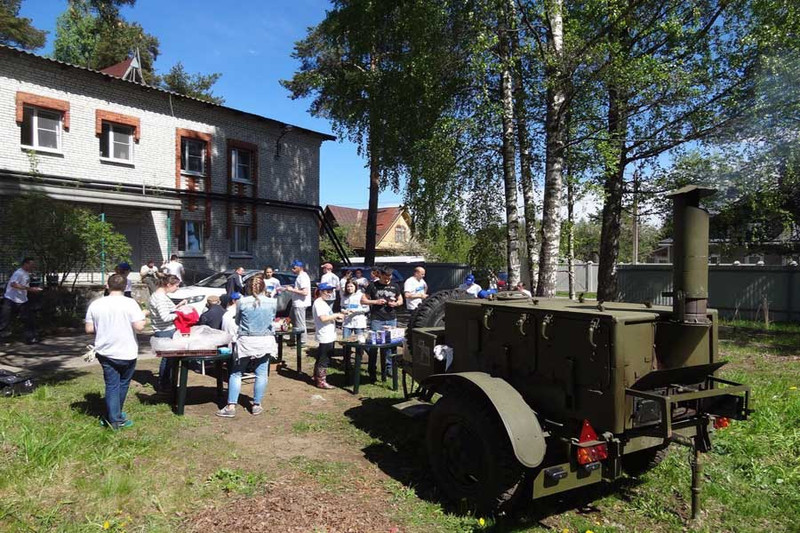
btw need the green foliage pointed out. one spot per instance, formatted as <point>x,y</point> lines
<point>64,239</point>
<point>451,244</point>
<point>489,249</point>
<point>194,85</point>
<point>18,31</point>
<point>327,252</point>
<point>93,34</point>
<point>587,239</point>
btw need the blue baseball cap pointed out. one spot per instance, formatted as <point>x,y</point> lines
<point>469,279</point>
<point>235,295</point>
<point>124,266</point>
<point>325,287</point>
<point>297,263</point>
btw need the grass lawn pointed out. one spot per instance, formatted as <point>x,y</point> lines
<point>332,461</point>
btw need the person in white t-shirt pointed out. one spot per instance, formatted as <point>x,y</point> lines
<point>331,279</point>
<point>415,289</point>
<point>271,283</point>
<point>15,301</point>
<point>301,299</point>
<point>325,332</point>
<point>174,268</point>
<point>229,324</point>
<point>115,320</point>
<point>470,286</point>
<point>521,288</point>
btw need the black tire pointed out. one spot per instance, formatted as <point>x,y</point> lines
<point>637,463</point>
<point>430,313</point>
<point>470,454</point>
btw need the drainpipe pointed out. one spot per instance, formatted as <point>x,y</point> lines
<point>103,251</point>
<point>169,235</point>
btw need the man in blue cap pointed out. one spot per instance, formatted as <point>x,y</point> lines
<point>470,287</point>
<point>301,298</point>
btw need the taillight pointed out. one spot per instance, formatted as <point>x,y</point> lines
<point>590,454</point>
<point>721,422</point>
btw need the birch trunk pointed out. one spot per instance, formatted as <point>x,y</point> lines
<point>525,171</point>
<point>508,149</point>
<point>555,133</point>
<point>571,236</point>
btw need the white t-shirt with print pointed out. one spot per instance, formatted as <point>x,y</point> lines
<point>357,313</point>
<point>325,331</point>
<point>414,286</point>
<point>271,286</point>
<point>20,277</point>
<point>302,282</point>
<point>113,318</point>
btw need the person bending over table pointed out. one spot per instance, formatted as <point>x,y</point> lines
<point>162,320</point>
<point>325,332</point>
<point>383,298</point>
<point>254,342</point>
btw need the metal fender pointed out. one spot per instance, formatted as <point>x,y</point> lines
<point>522,426</point>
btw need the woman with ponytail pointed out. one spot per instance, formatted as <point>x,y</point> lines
<point>255,343</point>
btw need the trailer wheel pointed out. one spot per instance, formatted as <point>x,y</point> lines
<point>430,313</point>
<point>470,454</point>
<point>637,463</point>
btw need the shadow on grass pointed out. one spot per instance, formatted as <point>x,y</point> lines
<point>401,453</point>
<point>92,405</point>
<point>779,343</point>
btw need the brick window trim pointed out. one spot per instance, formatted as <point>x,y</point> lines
<point>44,102</point>
<point>239,189</point>
<point>101,116</point>
<point>181,133</point>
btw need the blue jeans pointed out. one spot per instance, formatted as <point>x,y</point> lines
<point>117,374</point>
<point>377,325</point>
<point>164,370</point>
<point>235,381</point>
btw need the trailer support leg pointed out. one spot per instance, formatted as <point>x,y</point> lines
<point>697,471</point>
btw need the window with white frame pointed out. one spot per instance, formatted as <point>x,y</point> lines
<point>240,243</point>
<point>400,234</point>
<point>191,239</point>
<point>116,142</point>
<point>241,165</point>
<point>193,156</point>
<point>41,128</point>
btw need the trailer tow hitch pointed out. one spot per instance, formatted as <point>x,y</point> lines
<point>699,443</point>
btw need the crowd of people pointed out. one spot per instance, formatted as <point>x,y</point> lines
<point>246,311</point>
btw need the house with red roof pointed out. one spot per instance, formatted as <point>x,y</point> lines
<point>393,229</point>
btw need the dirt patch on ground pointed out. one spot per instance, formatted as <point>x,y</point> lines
<point>297,504</point>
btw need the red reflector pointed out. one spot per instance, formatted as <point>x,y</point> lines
<point>590,454</point>
<point>721,422</point>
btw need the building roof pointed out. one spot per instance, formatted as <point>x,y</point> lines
<point>356,221</point>
<point>119,70</point>
<point>108,73</point>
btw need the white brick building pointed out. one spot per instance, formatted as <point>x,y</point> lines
<point>218,186</point>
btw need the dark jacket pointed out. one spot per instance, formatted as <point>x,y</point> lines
<point>212,317</point>
<point>234,284</point>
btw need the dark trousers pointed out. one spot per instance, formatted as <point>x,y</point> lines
<point>324,353</point>
<point>117,374</point>
<point>8,310</point>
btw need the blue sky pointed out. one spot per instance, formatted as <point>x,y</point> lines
<point>250,42</point>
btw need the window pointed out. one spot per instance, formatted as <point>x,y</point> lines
<point>400,234</point>
<point>240,243</point>
<point>116,142</point>
<point>191,239</point>
<point>241,165</point>
<point>193,156</point>
<point>41,128</point>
